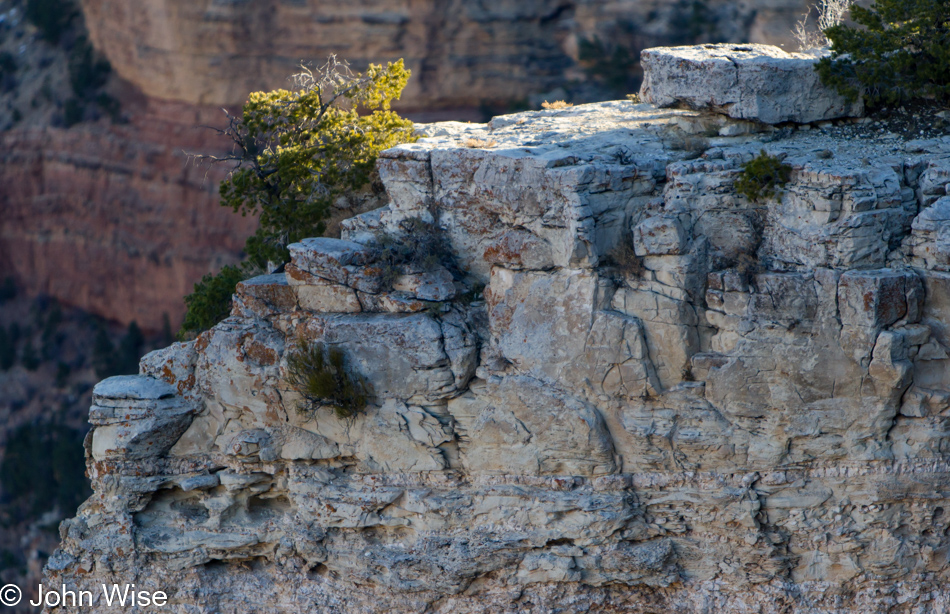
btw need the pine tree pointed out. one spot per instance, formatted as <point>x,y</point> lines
<point>130,350</point>
<point>103,354</point>
<point>296,152</point>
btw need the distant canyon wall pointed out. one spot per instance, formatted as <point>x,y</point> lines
<point>114,219</point>
<point>462,54</point>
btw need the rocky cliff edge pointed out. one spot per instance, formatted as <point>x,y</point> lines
<point>667,397</point>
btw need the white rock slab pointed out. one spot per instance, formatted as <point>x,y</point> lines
<point>753,82</point>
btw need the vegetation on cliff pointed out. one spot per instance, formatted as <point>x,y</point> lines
<point>323,377</point>
<point>296,152</point>
<point>902,52</point>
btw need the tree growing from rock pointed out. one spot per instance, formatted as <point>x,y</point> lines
<point>902,52</point>
<point>295,152</point>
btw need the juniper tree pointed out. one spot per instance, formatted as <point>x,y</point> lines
<point>295,152</point>
<point>902,52</point>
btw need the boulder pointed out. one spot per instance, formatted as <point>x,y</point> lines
<point>752,82</point>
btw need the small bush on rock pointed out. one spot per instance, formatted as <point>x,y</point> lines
<point>297,151</point>
<point>323,378</point>
<point>419,248</point>
<point>901,53</point>
<point>624,257</point>
<point>762,177</point>
<point>211,301</point>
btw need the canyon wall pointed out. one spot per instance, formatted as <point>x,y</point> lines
<point>113,218</point>
<point>462,54</point>
<point>625,388</point>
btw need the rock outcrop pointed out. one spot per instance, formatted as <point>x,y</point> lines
<point>113,219</point>
<point>669,399</point>
<point>753,82</point>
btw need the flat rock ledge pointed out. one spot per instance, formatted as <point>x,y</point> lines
<point>751,82</point>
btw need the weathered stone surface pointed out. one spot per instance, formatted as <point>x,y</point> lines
<point>930,241</point>
<point>754,82</point>
<point>136,417</point>
<point>659,236</point>
<point>174,364</point>
<point>265,296</point>
<point>520,427</point>
<point>403,356</point>
<point>327,297</point>
<point>435,285</point>
<point>749,417</point>
<point>334,260</point>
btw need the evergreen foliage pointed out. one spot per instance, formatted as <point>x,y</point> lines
<point>901,53</point>
<point>211,301</point>
<point>295,152</point>
<point>762,177</point>
<point>300,150</point>
<point>322,377</point>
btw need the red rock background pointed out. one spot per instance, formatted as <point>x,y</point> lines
<point>115,219</point>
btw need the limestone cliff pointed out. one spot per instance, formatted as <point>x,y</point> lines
<point>113,219</point>
<point>750,415</point>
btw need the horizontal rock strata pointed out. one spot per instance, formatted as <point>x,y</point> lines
<point>666,397</point>
<point>753,82</point>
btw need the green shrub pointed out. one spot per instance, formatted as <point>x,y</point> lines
<point>762,177</point>
<point>624,257</point>
<point>300,150</point>
<point>296,152</point>
<point>211,301</point>
<point>901,53</point>
<point>323,378</point>
<point>421,247</point>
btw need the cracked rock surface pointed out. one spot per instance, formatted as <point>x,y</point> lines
<point>667,398</point>
<point>752,82</point>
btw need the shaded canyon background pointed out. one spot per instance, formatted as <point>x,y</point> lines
<point>105,221</point>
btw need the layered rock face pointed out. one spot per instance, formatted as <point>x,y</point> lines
<point>670,399</point>
<point>112,219</point>
<point>116,220</point>
<point>461,54</point>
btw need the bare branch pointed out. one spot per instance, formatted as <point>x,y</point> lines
<point>830,13</point>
